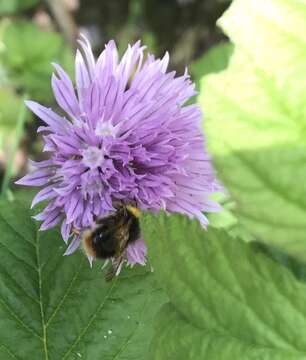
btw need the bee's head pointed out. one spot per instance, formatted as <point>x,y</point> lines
<point>103,242</point>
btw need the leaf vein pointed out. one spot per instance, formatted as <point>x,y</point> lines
<point>18,319</point>
<point>9,351</point>
<point>265,180</point>
<point>92,318</point>
<point>126,342</point>
<point>16,232</point>
<point>76,274</point>
<point>44,330</point>
<point>273,330</point>
<point>3,271</point>
<point>16,257</point>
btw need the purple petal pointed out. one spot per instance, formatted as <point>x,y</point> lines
<point>136,252</point>
<point>82,75</point>
<point>37,178</point>
<point>44,194</point>
<point>65,231</point>
<point>65,95</point>
<point>57,123</point>
<point>89,57</point>
<point>74,208</point>
<point>51,220</point>
<point>74,244</point>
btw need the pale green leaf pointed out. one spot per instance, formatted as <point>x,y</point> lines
<point>255,119</point>
<point>56,307</point>
<point>228,299</point>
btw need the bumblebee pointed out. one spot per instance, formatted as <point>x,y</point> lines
<point>111,236</point>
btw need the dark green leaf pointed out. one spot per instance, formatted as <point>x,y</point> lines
<point>55,307</point>
<point>228,299</point>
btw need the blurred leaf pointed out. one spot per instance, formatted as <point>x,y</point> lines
<point>255,119</point>
<point>148,38</point>
<point>58,307</point>
<point>28,54</point>
<point>213,61</point>
<point>9,107</point>
<point>228,299</point>
<point>225,218</point>
<point>8,7</point>
<point>11,158</point>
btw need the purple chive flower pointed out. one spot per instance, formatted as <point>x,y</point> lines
<point>125,135</point>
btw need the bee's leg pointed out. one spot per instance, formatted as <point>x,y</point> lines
<point>76,231</point>
<point>117,205</point>
<point>109,275</point>
<point>105,264</point>
<point>119,267</point>
<point>125,212</point>
<point>116,268</point>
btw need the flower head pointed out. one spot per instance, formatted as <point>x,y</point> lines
<point>125,136</point>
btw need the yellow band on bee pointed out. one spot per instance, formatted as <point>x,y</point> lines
<point>135,211</point>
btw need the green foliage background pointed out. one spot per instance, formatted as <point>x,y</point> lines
<point>236,291</point>
<point>256,119</point>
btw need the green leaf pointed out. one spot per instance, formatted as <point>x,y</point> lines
<point>255,119</point>
<point>55,307</point>
<point>228,300</point>
<point>8,7</point>
<point>215,60</point>
<point>10,107</point>
<point>28,54</point>
<point>10,104</point>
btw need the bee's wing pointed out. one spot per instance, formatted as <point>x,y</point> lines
<point>122,236</point>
